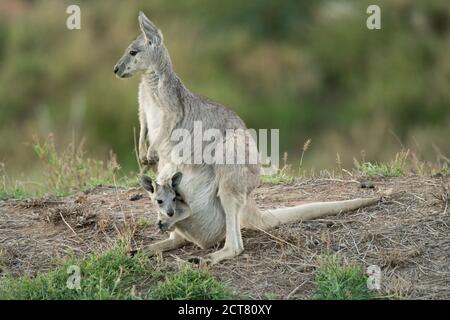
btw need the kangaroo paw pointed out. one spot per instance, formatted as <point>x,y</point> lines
<point>152,157</point>
<point>200,262</point>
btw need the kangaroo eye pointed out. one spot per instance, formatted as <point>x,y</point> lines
<point>133,52</point>
<point>159,201</point>
<point>175,198</point>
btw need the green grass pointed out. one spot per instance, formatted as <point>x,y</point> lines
<point>14,193</point>
<point>192,284</point>
<point>278,178</point>
<point>113,275</point>
<point>282,176</point>
<point>379,169</point>
<point>335,280</point>
<point>395,168</point>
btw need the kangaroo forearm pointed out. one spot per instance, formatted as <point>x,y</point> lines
<point>164,245</point>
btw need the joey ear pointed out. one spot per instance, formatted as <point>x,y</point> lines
<point>150,31</point>
<point>147,184</point>
<point>176,179</point>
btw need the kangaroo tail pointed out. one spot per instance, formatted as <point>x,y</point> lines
<point>272,218</point>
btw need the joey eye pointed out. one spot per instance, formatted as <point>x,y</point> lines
<point>174,198</point>
<point>159,201</point>
<point>133,52</point>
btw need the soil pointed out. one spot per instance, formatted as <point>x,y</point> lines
<point>408,236</point>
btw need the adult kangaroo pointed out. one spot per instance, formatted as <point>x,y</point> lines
<point>166,105</point>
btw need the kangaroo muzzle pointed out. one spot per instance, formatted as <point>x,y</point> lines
<point>120,70</point>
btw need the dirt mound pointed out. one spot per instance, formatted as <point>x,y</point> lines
<point>408,237</point>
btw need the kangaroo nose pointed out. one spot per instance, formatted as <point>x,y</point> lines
<point>170,212</point>
<point>116,69</point>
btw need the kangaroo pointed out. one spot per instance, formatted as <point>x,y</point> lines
<point>218,194</point>
<point>165,105</point>
<point>205,224</point>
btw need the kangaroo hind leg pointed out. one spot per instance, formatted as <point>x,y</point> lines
<point>233,238</point>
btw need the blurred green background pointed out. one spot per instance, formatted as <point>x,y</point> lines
<point>310,68</point>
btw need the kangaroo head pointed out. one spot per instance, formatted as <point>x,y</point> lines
<point>146,52</point>
<point>171,206</point>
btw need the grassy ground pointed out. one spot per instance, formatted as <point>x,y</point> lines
<point>113,275</point>
<point>53,226</point>
<point>116,275</point>
<point>407,237</point>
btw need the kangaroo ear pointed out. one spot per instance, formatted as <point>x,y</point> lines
<point>176,179</point>
<point>147,184</point>
<point>150,31</point>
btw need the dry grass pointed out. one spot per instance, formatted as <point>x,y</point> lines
<point>70,169</point>
<point>407,237</point>
<point>63,172</point>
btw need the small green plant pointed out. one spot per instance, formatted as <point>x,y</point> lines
<point>395,168</point>
<point>335,280</point>
<point>191,284</point>
<point>281,176</point>
<point>444,170</point>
